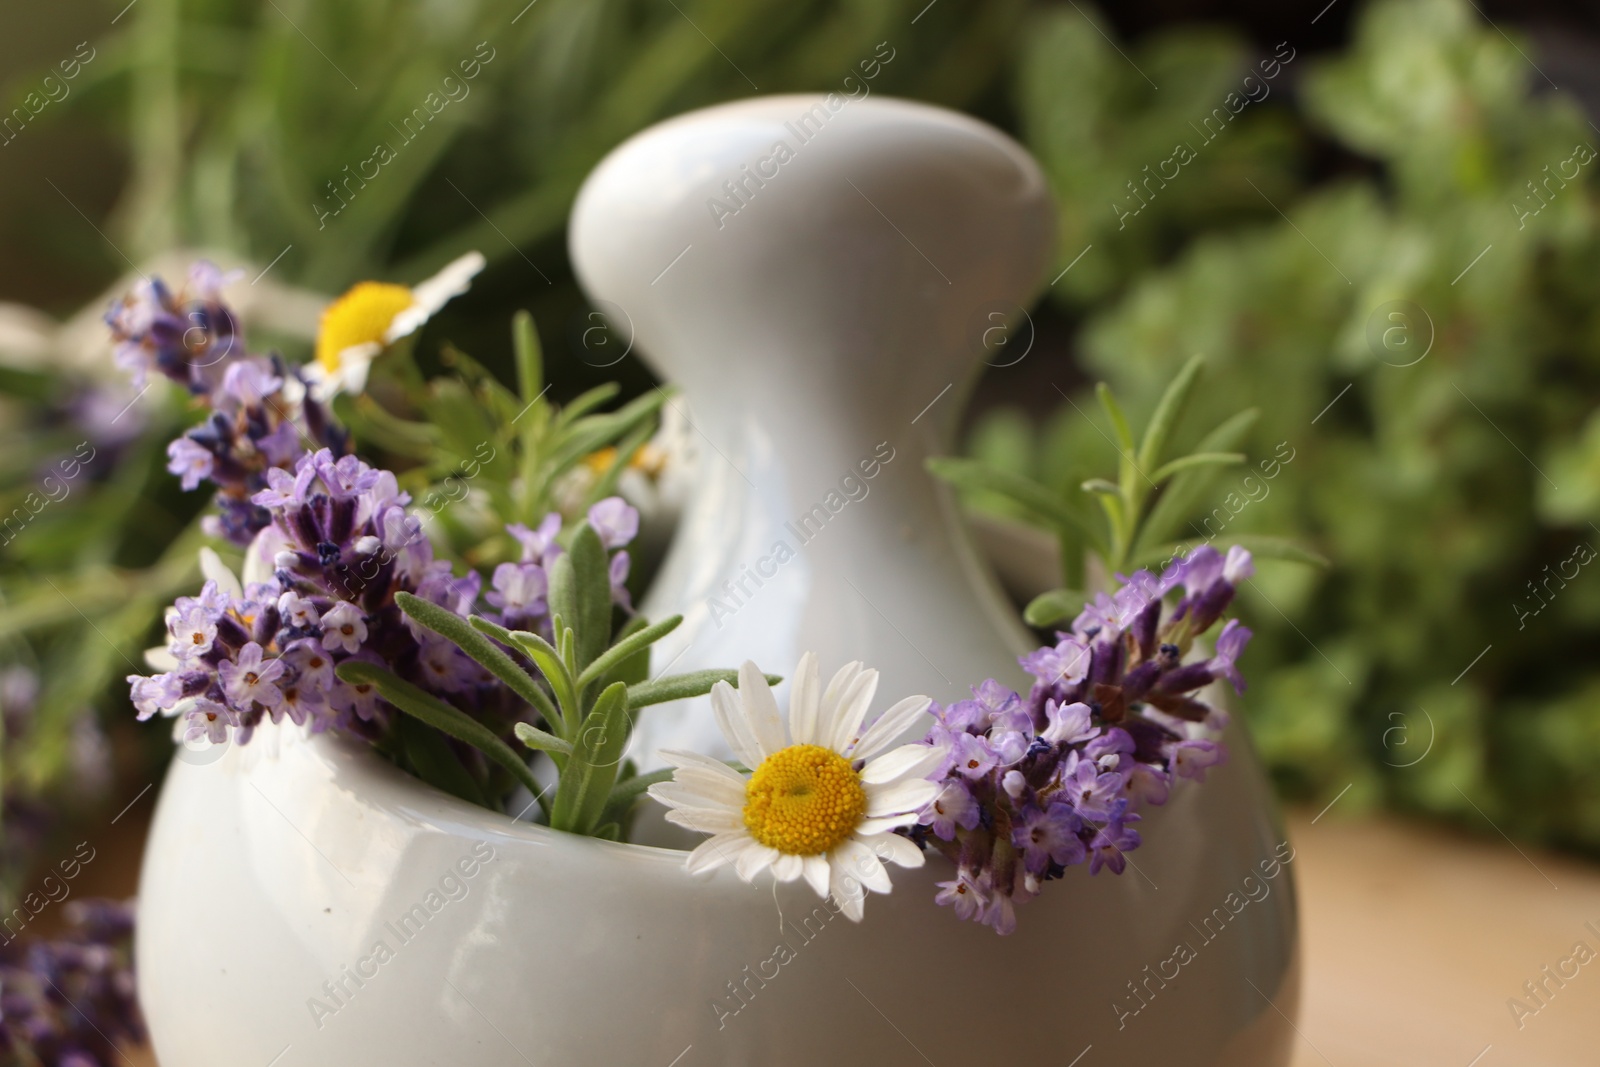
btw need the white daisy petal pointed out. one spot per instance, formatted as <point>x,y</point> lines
<point>803,701</point>
<point>907,761</point>
<point>892,848</point>
<point>706,820</point>
<point>731,719</point>
<point>890,725</point>
<point>683,792</point>
<point>884,823</point>
<point>910,795</point>
<point>212,567</point>
<point>857,860</point>
<point>761,710</point>
<point>832,701</point>
<point>755,858</point>
<point>852,710</point>
<point>354,363</point>
<point>434,293</point>
<point>714,788</point>
<point>816,874</point>
<point>160,660</point>
<point>788,867</point>
<point>680,760</point>
<point>847,893</point>
<point>716,851</point>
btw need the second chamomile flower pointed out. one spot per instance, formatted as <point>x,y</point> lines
<point>371,316</point>
<point>825,796</point>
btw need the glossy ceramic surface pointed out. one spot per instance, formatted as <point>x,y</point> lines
<point>273,876</point>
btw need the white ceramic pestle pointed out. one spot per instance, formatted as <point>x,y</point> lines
<point>810,271</point>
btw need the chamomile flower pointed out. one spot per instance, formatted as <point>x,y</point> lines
<point>371,316</point>
<point>825,796</point>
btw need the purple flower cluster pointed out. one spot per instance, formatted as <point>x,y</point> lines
<point>1032,785</point>
<point>260,417</point>
<point>338,547</point>
<point>341,545</point>
<point>70,1001</point>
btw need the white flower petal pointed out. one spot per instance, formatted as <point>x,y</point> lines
<point>853,706</point>
<point>160,660</point>
<point>816,874</point>
<point>680,793</point>
<point>890,725</point>
<point>678,759</point>
<point>884,823</point>
<point>788,867</point>
<point>907,761</point>
<point>857,860</point>
<point>761,710</point>
<point>212,567</point>
<point>731,719</point>
<point>832,700</point>
<point>427,297</point>
<point>717,851</point>
<point>804,697</point>
<point>754,859</point>
<point>706,820</point>
<point>849,895</point>
<point>713,787</point>
<point>910,795</point>
<point>892,848</point>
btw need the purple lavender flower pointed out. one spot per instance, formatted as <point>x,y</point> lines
<point>1144,784</point>
<point>973,756</point>
<point>538,546</point>
<point>1109,846</point>
<point>70,999</point>
<point>615,521</point>
<point>343,628</point>
<point>260,417</point>
<point>152,694</point>
<point>303,701</point>
<point>619,580</point>
<point>1032,785</point>
<point>1048,835</point>
<point>1069,723</point>
<point>193,630</point>
<point>1062,664</point>
<point>271,652</point>
<point>210,720</point>
<point>298,612</point>
<point>1092,793</point>
<point>953,807</point>
<point>519,593</point>
<point>1000,910</point>
<point>191,462</point>
<point>249,680</point>
<point>964,895</point>
<point>1230,646</point>
<point>1190,758</point>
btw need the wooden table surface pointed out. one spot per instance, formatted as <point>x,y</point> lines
<point>1415,938</point>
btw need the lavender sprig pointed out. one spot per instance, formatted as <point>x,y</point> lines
<point>70,1001</point>
<point>260,416</point>
<point>1030,786</point>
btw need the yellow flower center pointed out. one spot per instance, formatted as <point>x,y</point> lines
<point>803,800</point>
<point>361,316</point>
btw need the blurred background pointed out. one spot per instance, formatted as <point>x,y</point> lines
<point>1375,218</point>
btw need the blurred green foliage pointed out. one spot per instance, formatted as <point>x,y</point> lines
<point>1418,329</point>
